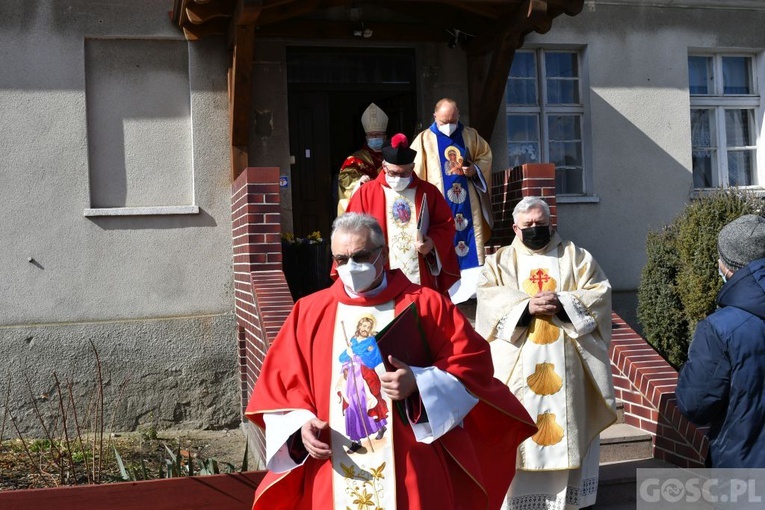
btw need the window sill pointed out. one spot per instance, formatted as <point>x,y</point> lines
<point>572,199</point>
<point>161,210</point>
<point>757,191</point>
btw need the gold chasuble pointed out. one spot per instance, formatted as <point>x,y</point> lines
<point>558,366</point>
<point>401,218</point>
<point>361,422</point>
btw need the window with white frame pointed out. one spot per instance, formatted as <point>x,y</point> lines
<point>724,102</point>
<point>545,115</point>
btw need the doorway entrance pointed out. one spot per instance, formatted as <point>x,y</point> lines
<point>328,90</point>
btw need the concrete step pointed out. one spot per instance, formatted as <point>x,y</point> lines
<point>617,488</point>
<point>619,411</point>
<point>622,442</point>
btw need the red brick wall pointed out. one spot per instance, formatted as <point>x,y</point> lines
<point>646,383</point>
<point>262,298</point>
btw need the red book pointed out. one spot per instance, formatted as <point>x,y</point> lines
<point>404,339</point>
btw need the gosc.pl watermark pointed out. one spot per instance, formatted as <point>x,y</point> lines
<point>675,488</point>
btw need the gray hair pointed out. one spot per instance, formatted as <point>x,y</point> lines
<point>530,203</point>
<point>358,222</point>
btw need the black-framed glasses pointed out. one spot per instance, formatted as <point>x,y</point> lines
<point>360,257</point>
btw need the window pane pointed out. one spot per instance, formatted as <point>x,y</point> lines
<point>561,65</point>
<point>522,128</point>
<point>566,154</point>
<point>562,92</point>
<point>738,127</point>
<point>521,91</point>
<point>524,65</point>
<point>523,138</point>
<point>563,127</point>
<point>700,75</point>
<point>703,133</point>
<point>703,143</point>
<point>740,168</point>
<point>568,181</point>
<point>704,169</point>
<point>736,75</point>
<point>522,83</point>
<point>520,153</point>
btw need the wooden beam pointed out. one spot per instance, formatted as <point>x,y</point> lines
<point>487,82</point>
<point>200,13</point>
<point>212,27</point>
<point>492,92</point>
<point>240,91</point>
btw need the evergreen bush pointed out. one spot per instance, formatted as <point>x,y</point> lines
<point>679,283</point>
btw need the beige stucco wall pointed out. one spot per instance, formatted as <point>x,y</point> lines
<point>153,292</point>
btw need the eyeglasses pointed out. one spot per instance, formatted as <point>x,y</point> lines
<point>399,171</point>
<point>360,257</point>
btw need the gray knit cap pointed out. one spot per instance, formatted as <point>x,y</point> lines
<point>741,241</point>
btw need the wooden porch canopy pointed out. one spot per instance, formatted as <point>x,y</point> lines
<point>489,31</point>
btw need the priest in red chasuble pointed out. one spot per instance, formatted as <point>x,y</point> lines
<point>451,430</point>
<point>422,248</point>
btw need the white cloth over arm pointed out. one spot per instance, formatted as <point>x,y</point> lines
<point>279,427</point>
<point>446,401</point>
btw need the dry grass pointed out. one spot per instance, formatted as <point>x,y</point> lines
<point>35,464</point>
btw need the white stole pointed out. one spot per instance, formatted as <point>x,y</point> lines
<point>401,224</point>
<point>543,361</point>
<point>363,466</point>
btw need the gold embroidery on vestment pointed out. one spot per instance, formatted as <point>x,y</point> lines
<point>549,432</point>
<point>542,331</point>
<point>544,380</point>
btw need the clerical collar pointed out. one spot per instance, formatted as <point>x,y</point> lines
<point>370,293</point>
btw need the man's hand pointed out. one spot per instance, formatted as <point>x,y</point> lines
<point>400,384</point>
<point>468,170</point>
<point>363,179</point>
<point>309,433</point>
<point>544,303</point>
<point>425,247</point>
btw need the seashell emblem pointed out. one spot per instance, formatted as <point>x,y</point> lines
<point>544,380</point>
<point>549,432</point>
<point>542,331</point>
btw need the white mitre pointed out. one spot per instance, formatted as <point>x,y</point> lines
<point>374,119</point>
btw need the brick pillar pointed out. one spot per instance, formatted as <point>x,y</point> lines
<point>255,218</point>
<point>513,184</point>
<point>262,298</point>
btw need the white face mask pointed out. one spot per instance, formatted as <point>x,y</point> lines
<point>375,143</point>
<point>722,275</point>
<point>358,277</point>
<point>398,183</point>
<point>448,129</point>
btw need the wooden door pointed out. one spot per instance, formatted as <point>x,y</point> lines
<point>311,173</point>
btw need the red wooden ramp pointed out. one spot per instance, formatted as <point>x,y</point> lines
<point>220,492</point>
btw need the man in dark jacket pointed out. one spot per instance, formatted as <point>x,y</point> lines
<point>723,382</point>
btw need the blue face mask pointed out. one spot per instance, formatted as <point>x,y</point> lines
<point>375,143</point>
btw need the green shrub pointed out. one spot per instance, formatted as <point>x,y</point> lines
<point>679,283</point>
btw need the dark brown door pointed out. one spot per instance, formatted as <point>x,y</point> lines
<point>328,91</point>
<point>311,171</point>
